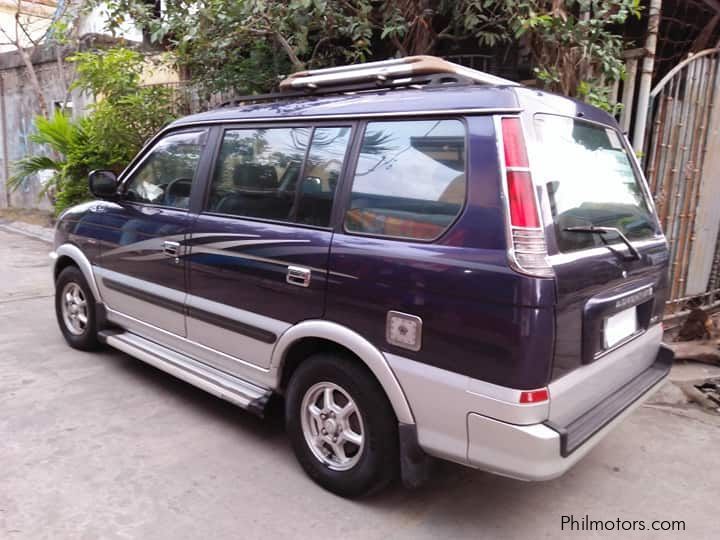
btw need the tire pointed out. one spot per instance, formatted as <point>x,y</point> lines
<point>354,469</point>
<point>74,303</point>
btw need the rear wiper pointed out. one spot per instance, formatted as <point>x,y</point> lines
<point>605,230</point>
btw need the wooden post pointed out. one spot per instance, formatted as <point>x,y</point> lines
<point>648,66</point>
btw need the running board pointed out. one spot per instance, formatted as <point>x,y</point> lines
<point>243,393</point>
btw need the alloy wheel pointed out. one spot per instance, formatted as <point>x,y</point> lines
<point>332,426</point>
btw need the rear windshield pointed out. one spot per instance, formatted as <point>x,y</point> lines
<point>590,182</point>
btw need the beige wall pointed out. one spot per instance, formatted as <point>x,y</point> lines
<point>160,70</point>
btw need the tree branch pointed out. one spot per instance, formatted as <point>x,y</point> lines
<point>297,64</point>
<point>42,104</point>
<point>399,46</point>
<point>445,34</point>
<point>352,8</point>
<point>21,26</point>
<point>320,42</point>
<point>27,60</point>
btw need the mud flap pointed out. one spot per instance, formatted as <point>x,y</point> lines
<point>415,464</point>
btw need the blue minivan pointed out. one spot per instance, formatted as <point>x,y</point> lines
<point>424,260</point>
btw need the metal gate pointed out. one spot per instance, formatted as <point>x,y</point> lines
<point>682,167</point>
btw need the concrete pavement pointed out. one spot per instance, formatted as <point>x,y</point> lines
<point>103,446</point>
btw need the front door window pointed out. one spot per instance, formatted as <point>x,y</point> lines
<point>165,176</point>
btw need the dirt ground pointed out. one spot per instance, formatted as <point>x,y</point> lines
<point>34,217</point>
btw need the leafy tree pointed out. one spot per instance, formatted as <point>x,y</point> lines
<point>126,113</point>
<point>245,45</point>
<point>573,43</point>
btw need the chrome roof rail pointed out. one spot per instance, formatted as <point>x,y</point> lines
<point>386,73</point>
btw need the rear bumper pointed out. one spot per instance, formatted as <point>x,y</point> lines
<point>577,432</point>
<point>545,450</point>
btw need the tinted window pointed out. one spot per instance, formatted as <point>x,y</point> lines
<point>166,175</point>
<point>258,173</point>
<point>590,182</point>
<point>410,179</point>
<point>322,173</point>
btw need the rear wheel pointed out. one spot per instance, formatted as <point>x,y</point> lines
<point>341,425</point>
<point>75,309</point>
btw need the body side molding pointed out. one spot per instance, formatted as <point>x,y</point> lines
<point>76,254</point>
<point>366,351</point>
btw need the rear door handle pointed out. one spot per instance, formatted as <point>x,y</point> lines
<point>298,276</point>
<point>171,249</point>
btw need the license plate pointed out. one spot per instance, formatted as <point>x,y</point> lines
<point>620,326</point>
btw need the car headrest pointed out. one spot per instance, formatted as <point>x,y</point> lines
<point>254,176</point>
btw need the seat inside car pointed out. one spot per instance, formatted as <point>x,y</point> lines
<point>251,182</point>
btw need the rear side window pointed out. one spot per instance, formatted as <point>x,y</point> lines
<point>258,173</point>
<point>410,179</point>
<point>590,181</point>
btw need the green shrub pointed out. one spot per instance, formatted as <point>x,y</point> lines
<point>61,138</point>
<point>123,117</point>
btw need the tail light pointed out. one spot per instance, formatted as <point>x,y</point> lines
<point>534,396</point>
<point>521,199</point>
<point>528,251</point>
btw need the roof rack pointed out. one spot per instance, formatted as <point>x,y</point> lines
<point>408,72</point>
<point>386,73</point>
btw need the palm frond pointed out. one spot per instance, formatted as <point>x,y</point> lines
<point>48,186</point>
<point>57,132</point>
<point>30,165</point>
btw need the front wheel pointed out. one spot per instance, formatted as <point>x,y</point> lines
<point>341,425</point>
<point>75,309</point>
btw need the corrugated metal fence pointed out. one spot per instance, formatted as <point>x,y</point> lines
<point>679,158</point>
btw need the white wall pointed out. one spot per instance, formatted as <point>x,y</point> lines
<point>95,22</point>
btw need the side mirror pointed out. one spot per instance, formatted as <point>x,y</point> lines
<point>103,184</point>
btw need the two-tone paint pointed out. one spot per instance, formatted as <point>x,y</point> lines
<point>222,296</point>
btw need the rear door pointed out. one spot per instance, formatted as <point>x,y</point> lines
<point>260,246</point>
<point>608,292</point>
<point>141,269</point>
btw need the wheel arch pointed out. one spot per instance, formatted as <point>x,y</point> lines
<point>69,254</point>
<point>311,333</point>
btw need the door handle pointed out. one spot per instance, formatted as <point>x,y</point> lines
<point>171,249</point>
<point>298,276</point>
